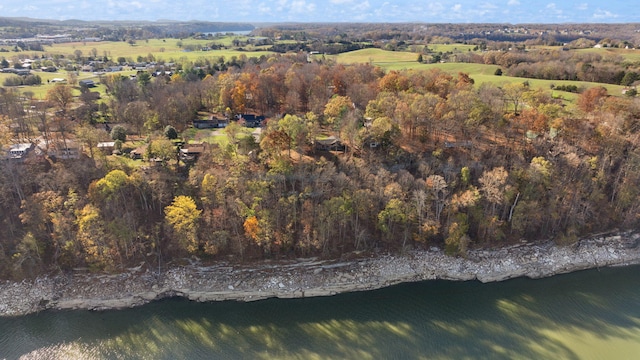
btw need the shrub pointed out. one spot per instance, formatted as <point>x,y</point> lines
<point>170,132</point>
<point>14,80</point>
<point>32,80</point>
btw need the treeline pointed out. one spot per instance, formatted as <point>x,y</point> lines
<point>540,34</point>
<point>15,80</point>
<point>424,159</point>
<point>557,65</point>
<point>113,30</point>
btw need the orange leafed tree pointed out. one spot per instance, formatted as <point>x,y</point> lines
<point>591,98</point>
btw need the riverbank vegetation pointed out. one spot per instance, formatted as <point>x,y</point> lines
<point>309,155</point>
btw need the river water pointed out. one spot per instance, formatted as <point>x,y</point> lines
<point>592,314</point>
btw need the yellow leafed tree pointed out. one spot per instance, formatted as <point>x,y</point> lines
<point>183,215</point>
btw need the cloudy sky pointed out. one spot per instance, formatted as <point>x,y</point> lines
<point>430,11</point>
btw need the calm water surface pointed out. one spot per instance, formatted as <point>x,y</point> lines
<point>586,315</point>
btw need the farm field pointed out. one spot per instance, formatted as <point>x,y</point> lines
<point>632,55</point>
<point>395,60</point>
<point>162,49</point>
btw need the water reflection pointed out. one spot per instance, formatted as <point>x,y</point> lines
<point>587,315</point>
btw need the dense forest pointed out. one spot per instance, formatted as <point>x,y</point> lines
<point>350,158</point>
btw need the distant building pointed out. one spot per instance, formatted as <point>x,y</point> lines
<point>107,147</point>
<point>18,152</point>
<point>191,152</point>
<point>87,83</point>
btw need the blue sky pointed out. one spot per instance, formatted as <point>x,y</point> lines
<point>438,11</point>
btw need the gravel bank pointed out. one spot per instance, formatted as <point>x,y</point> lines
<point>311,277</point>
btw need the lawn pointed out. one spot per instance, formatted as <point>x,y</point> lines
<point>40,91</point>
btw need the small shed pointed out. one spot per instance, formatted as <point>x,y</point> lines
<point>107,147</point>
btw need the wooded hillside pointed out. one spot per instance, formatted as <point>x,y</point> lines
<point>350,158</point>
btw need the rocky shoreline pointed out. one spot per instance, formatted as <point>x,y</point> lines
<point>311,277</point>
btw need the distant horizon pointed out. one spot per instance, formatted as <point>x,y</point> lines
<point>331,11</point>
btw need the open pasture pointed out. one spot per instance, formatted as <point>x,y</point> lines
<point>167,50</point>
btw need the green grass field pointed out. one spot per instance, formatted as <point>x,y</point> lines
<point>162,49</point>
<point>450,47</point>
<point>40,91</point>
<point>375,56</point>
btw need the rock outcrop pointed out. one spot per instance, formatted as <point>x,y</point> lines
<point>310,277</point>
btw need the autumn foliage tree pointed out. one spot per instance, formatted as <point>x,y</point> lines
<point>183,217</point>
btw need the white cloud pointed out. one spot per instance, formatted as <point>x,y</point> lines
<point>264,8</point>
<point>456,8</point>
<point>361,6</point>
<point>552,8</point>
<point>583,6</point>
<point>489,6</point>
<point>513,2</point>
<point>340,1</point>
<point>604,14</point>
<point>301,7</point>
<point>435,7</point>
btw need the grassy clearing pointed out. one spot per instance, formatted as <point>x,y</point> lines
<point>632,55</point>
<point>39,92</point>
<point>123,162</point>
<point>162,49</point>
<point>377,57</point>
<point>391,60</point>
<point>450,47</point>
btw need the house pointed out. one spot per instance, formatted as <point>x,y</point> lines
<point>251,120</point>
<point>18,152</point>
<point>64,150</point>
<point>86,83</point>
<point>211,123</point>
<point>458,144</point>
<point>191,152</point>
<point>329,144</point>
<point>138,153</point>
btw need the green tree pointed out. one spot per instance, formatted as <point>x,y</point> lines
<point>170,132</point>
<point>296,128</point>
<point>119,133</point>
<point>163,150</point>
<point>458,240</point>
<point>629,78</point>
<point>393,218</point>
<point>144,78</point>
